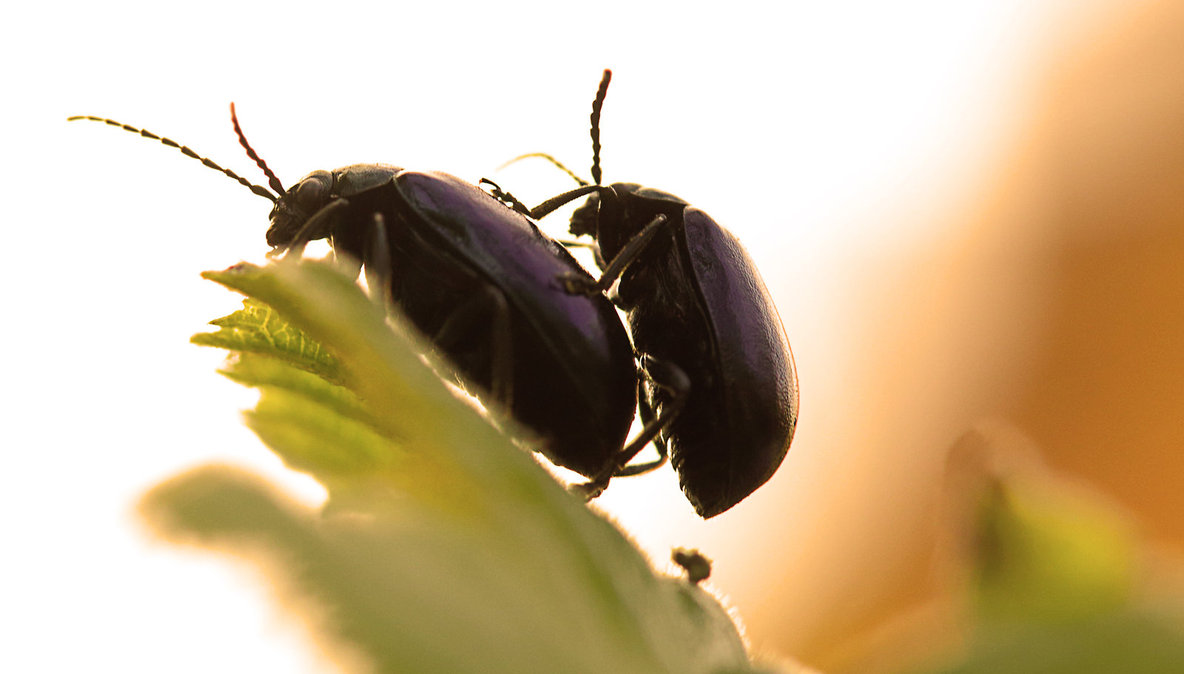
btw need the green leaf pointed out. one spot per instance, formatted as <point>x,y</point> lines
<point>1047,553</point>
<point>446,548</point>
<point>1130,642</point>
<point>1055,572</point>
<point>256,328</point>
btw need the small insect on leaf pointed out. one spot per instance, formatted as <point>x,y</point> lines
<point>697,567</point>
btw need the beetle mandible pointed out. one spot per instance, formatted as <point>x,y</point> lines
<point>481,281</point>
<point>695,303</point>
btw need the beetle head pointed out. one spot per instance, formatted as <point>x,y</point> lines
<point>583,219</point>
<point>607,204</point>
<point>293,210</point>
<point>618,204</point>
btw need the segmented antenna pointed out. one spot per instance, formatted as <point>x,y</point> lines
<point>238,131</point>
<point>596,106</point>
<point>555,162</point>
<point>261,191</point>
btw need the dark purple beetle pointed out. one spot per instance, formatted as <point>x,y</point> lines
<point>484,284</point>
<point>477,277</point>
<point>696,305</point>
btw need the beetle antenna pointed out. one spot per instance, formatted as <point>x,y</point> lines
<point>261,191</point>
<point>596,106</point>
<point>554,162</point>
<point>238,131</point>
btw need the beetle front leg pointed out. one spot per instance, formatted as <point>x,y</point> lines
<point>577,284</point>
<point>668,377</point>
<point>505,197</point>
<point>547,207</point>
<point>377,262</point>
<point>316,227</point>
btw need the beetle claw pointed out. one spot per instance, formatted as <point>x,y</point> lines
<point>587,490</point>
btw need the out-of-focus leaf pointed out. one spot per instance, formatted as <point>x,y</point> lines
<point>1130,642</point>
<point>447,548</point>
<point>1055,569</point>
<point>1047,553</point>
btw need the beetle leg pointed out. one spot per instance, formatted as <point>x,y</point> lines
<point>547,207</point>
<point>378,263</point>
<point>505,197</point>
<point>502,360</point>
<point>646,412</point>
<point>348,264</point>
<point>598,256</point>
<point>590,245</point>
<point>578,284</point>
<point>674,381</point>
<point>319,222</point>
<point>461,323</point>
<point>630,251</point>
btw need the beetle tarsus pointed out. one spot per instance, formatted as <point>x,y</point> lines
<point>588,490</point>
<point>505,197</point>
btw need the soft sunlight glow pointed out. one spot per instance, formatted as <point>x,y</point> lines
<point>808,129</point>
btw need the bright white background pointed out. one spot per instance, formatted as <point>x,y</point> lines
<point>801,126</point>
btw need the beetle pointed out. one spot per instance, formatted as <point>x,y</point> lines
<point>481,281</point>
<point>695,303</point>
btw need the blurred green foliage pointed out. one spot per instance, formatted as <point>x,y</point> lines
<point>443,547</point>
<point>1056,587</point>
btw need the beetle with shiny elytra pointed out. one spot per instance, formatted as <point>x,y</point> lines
<point>480,280</point>
<point>696,304</point>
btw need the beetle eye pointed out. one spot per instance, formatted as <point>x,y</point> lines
<point>310,193</point>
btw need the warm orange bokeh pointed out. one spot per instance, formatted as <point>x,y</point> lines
<point>1052,307</point>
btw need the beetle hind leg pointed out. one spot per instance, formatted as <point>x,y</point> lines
<point>670,378</point>
<point>646,412</point>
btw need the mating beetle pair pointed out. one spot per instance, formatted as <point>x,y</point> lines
<point>526,327</point>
